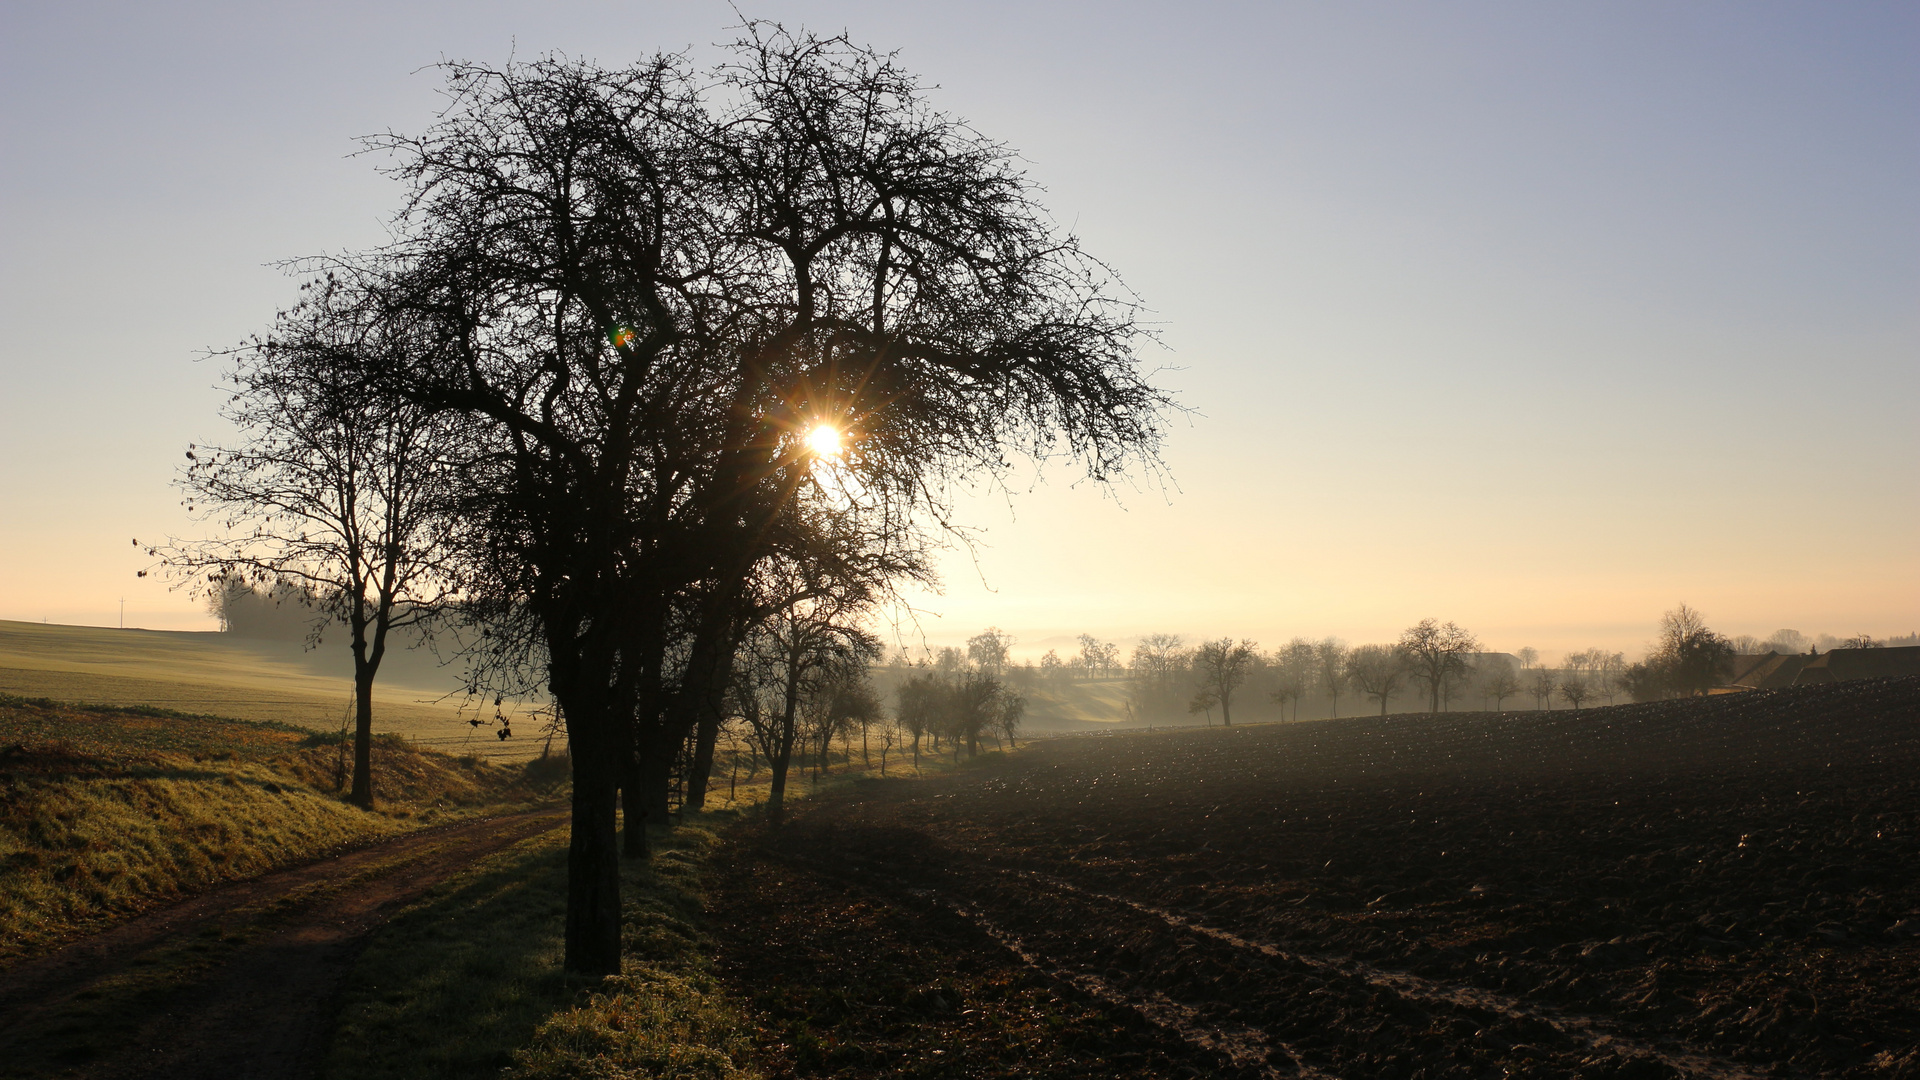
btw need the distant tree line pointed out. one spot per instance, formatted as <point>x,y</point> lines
<point>1432,666</point>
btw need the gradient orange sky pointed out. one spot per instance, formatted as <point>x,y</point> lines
<point>1537,318</point>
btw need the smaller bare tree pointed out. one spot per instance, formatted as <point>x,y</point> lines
<point>1378,672</point>
<point>1501,683</point>
<point>335,493</point>
<point>988,650</point>
<point>1293,670</point>
<point>1330,663</point>
<point>1574,689</point>
<point>1222,666</point>
<point>1542,685</point>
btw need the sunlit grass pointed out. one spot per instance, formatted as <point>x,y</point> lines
<point>274,681</point>
<point>105,813</point>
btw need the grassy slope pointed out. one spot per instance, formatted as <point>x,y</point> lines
<point>1076,706</point>
<point>251,680</point>
<point>105,813</point>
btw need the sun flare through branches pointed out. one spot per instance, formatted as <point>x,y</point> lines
<point>825,441</point>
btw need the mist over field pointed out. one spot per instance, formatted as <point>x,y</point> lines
<point>998,540</point>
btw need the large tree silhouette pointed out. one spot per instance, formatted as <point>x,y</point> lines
<point>645,287</point>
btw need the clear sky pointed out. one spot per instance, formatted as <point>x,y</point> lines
<point>1539,317</point>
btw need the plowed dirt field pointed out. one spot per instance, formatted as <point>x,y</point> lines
<point>1716,888</point>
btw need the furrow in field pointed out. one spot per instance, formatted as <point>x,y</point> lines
<point>1584,1029</point>
<point>1246,1047</point>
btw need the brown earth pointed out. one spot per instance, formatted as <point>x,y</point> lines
<point>1716,888</point>
<point>237,983</point>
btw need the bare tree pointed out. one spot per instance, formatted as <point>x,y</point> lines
<point>1222,666</point>
<point>890,737</point>
<point>1052,668</point>
<point>842,701</point>
<point>1581,663</point>
<point>1156,675</point>
<point>1293,667</point>
<point>1609,671</point>
<point>1542,685</point>
<point>1501,683</point>
<point>1011,713</point>
<point>919,707</point>
<point>988,650</point>
<point>1330,658</point>
<point>336,494</point>
<point>644,289</point>
<point>1574,688</point>
<point>792,668</point>
<point>1437,654</point>
<point>1097,658</point>
<point>1528,656</point>
<point>1789,642</point>
<point>1203,700</point>
<point>1378,672</point>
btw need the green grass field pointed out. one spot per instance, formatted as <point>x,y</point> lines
<point>214,673</point>
<point>105,813</point>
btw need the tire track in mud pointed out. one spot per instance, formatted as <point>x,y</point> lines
<point>1325,1043</point>
<point>1592,1031</point>
<point>1249,1050</point>
<point>1245,1047</point>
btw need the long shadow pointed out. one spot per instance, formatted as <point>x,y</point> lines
<point>451,987</point>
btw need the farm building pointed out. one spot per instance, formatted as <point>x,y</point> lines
<point>1772,671</point>
<point>1839,665</point>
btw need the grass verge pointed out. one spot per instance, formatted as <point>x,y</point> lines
<point>467,981</point>
<point>107,812</point>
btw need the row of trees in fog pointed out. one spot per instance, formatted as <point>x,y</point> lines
<point>1432,666</point>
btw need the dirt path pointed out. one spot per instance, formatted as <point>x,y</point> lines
<point>237,983</point>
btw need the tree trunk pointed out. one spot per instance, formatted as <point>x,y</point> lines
<point>655,778</point>
<point>783,756</point>
<point>706,735</point>
<point>366,664</point>
<point>593,862</point>
<point>362,795</point>
<point>633,804</point>
<point>1226,710</point>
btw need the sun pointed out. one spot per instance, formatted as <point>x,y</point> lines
<point>825,441</point>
